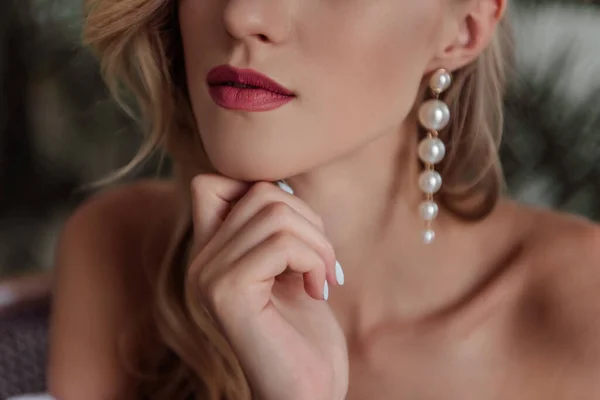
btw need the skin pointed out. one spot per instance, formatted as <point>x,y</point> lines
<point>502,308</point>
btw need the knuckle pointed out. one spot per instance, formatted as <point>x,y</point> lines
<point>278,211</point>
<point>197,287</point>
<point>216,293</point>
<point>199,183</point>
<point>203,281</point>
<point>262,189</point>
<point>282,241</point>
<point>198,278</point>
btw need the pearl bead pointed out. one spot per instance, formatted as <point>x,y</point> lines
<point>430,182</point>
<point>434,115</point>
<point>432,150</point>
<point>440,81</point>
<point>428,236</point>
<point>428,210</point>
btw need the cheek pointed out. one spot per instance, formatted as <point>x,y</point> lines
<point>373,61</point>
<point>198,20</point>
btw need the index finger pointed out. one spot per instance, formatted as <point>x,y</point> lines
<point>212,196</point>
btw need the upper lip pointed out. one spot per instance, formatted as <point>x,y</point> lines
<point>226,74</point>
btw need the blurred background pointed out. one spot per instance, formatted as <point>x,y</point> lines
<point>59,129</point>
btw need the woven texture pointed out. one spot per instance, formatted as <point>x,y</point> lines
<point>23,340</point>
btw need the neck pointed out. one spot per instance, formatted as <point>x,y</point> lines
<point>369,204</point>
<point>367,195</point>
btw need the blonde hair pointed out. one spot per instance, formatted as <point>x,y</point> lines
<point>139,47</point>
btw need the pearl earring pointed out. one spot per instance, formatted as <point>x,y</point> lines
<point>434,115</point>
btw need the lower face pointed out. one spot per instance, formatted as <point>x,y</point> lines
<point>354,68</point>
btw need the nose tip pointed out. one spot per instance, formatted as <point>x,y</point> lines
<point>264,21</point>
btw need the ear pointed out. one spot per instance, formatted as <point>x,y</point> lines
<point>468,32</point>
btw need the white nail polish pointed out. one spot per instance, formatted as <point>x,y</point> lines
<point>285,187</point>
<point>339,273</point>
<point>326,291</point>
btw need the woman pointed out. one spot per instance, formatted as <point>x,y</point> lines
<point>217,292</point>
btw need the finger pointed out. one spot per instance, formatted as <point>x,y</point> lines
<point>211,201</point>
<point>279,253</point>
<point>257,198</point>
<point>263,193</point>
<point>274,218</point>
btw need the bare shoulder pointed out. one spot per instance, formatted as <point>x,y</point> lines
<point>563,251</point>
<point>125,205</point>
<point>99,285</point>
<point>562,297</point>
<point>559,240</point>
<point>122,223</point>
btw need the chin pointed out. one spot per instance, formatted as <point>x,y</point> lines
<point>261,152</point>
<point>249,166</point>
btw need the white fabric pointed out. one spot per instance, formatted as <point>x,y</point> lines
<point>40,396</point>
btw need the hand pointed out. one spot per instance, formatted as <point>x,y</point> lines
<point>262,266</point>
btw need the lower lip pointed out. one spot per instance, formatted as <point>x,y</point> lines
<point>243,99</point>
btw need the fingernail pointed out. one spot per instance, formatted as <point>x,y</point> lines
<point>285,187</point>
<point>339,273</point>
<point>326,291</point>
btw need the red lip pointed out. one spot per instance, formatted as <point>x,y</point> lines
<point>245,89</point>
